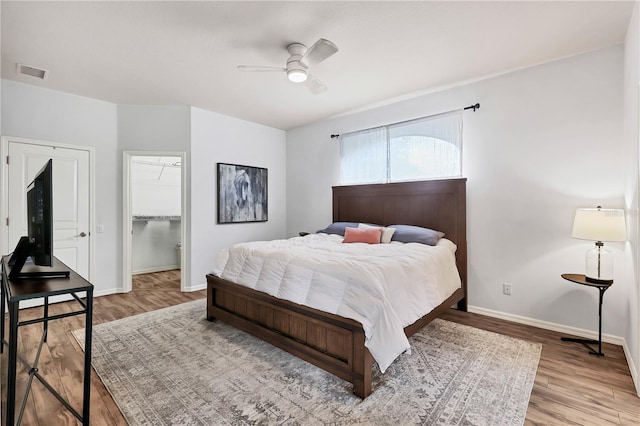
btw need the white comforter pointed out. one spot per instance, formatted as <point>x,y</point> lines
<point>385,287</point>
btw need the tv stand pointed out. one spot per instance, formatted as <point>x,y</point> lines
<point>19,268</point>
<point>12,293</point>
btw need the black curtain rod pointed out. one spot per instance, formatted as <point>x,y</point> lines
<point>473,107</point>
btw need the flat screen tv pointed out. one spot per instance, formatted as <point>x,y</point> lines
<point>38,244</point>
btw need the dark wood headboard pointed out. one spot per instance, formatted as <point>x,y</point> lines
<point>436,204</point>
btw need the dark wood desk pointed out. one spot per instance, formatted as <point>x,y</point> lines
<point>15,291</point>
<point>581,279</point>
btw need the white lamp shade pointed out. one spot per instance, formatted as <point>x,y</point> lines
<point>599,225</point>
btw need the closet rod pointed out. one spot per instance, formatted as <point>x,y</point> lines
<point>152,163</point>
<point>473,107</point>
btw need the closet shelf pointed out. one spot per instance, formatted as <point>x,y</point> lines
<point>156,218</point>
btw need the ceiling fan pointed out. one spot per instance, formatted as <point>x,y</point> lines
<point>299,62</point>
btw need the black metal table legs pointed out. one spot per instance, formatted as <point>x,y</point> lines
<point>13,358</point>
<point>589,342</point>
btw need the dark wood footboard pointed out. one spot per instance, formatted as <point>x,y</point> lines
<point>328,341</point>
<point>331,342</point>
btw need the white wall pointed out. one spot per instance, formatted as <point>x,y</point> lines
<point>631,142</point>
<point>36,113</point>
<point>154,128</point>
<point>217,138</point>
<point>33,112</point>
<point>154,246</point>
<point>545,141</point>
<point>156,186</point>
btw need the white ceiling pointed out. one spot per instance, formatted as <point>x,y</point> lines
<point>186,53</point>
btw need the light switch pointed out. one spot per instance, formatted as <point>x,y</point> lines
<point>100,229</point>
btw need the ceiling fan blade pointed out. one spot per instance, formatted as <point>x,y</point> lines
<point>317,53</point>
<point>252,68</point>
<point>316,86</point>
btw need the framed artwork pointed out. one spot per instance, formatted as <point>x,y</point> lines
<point>242,194</point>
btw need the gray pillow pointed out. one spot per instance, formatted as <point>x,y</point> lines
<point>416,234</point>
<point>338,228</point>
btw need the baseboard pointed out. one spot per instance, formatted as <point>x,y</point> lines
<point>67,297</point>
<point>197,287</point>
<point>632,367</point>
<point>580,332</point>
<point>156,269</point>
<point>587,334</point>
<point>107,292</point>
<point>64,298</point>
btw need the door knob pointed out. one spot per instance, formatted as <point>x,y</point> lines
<point>82,234</point>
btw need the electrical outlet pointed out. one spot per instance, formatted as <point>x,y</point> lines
<point>506,289</point>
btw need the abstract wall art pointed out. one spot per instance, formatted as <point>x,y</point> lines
<point>242,194</point>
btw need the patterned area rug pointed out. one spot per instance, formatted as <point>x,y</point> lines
<point>173,367</point>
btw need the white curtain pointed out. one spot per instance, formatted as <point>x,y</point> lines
<point>425,148</point>
<point>363,157</point>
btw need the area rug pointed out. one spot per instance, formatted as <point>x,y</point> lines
<point>173,367</point>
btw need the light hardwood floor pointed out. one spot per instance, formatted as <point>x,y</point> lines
<point>571,386</point>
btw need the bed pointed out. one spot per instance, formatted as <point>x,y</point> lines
<point>329,341</point>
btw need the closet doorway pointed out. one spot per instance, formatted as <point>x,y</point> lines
<point>153,218</point>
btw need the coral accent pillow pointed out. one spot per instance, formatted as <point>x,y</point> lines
<point>369,236</point>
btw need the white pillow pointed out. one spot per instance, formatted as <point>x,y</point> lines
<point>387,233</point>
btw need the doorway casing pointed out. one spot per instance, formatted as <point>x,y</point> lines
<point>127,214</point>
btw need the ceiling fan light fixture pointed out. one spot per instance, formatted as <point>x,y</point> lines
<point>297,75</point>
<point>300,59</point>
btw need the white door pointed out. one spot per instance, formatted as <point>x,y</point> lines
<point>70,199</point>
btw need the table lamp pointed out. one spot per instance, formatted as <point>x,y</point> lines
<point>599,225</point>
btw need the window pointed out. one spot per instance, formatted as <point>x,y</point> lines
<point>424,148</point>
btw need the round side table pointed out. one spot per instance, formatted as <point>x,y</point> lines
<point>602,287</point>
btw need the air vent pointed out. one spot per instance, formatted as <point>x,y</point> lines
<point>32,71</point>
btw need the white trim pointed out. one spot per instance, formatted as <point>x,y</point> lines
<point>4,206</point>
<point>587,334</point>
<point>106,292</point>
<point>198,287</point>
<point>4,173</point>
<point>127,224</point>
<point>632,367</point>
<point>628,354</point>
<point>31,303</point>
<point>156,269</point>
<point>127,214</point>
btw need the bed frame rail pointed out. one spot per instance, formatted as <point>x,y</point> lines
<point>328,341</point>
